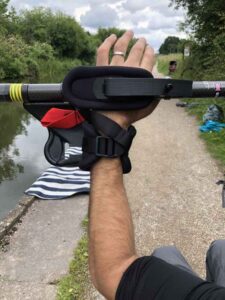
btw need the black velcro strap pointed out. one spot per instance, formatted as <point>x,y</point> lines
<point>105,138</point>
<point>102,146</point>
<point>140,87</point>
<point>113,130</point>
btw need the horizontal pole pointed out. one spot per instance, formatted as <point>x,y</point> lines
<point>31,92</point>
<point>204,89</point>
<point>38,93</point>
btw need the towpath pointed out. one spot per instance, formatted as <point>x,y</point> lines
<point>41,249</point>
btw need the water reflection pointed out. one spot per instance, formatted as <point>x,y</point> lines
<point>22,160</point>
<point>13,121</point>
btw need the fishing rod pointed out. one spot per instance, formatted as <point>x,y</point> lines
<point>96,88</point>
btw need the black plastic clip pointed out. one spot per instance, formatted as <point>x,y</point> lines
<point>104,147</point>
<point>167,89</point>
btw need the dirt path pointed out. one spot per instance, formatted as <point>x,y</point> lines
<point>171,189</point>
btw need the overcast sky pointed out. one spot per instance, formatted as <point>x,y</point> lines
<point>152,19</point>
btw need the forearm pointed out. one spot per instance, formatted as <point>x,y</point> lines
<point>111,234</point>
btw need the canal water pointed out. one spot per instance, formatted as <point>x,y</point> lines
<point>22,140</point>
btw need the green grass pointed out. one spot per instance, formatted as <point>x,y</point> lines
<point>54,71</point>
<point>163,64</point>
<point>73,286</point>
<point>216,145</point>
<point>215,141</point>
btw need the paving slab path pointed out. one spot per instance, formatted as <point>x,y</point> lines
<point>174,200</point>
<point>41,249</point>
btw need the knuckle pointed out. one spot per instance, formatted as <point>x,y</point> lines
<point>150,50</point>
<point>120,45</point>
<point>139,48</point>
<point>149,53</point>
<point>101,50</point>
<point>143,40</point>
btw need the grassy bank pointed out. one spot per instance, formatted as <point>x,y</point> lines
<point>73,286</point>
<point>54,71</point>
<point>215,141</point>
<point>163,64</point>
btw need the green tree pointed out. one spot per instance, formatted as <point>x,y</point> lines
<point>34,24</point>
<point>20,61</point>
<point>3,7</point>
<point>3,15</point>
<point>205,18</point>
<point>8,18</point>
<point>182,44</point>
<point>172,44</point>
<point>62,32</point>
<point>103,33</point>
<point>206,21</point>
<point>67,37</point>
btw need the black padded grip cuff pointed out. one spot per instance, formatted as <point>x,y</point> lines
<point>85,90</point>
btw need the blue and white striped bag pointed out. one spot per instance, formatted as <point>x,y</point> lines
<point>61,182</point>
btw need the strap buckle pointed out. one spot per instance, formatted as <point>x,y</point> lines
<point>104,147</point>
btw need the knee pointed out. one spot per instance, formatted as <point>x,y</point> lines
<point>164,251</point>
<point>217,247</point>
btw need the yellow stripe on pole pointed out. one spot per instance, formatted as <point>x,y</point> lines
<point>11,92</point>
<point>15,92</point>
<point>19,93</point>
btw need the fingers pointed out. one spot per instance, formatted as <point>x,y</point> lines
<point>121,46</point>
<point>140,55</point>
<point>102,58</point>
<point>148,59</point>
<point>136,53</point>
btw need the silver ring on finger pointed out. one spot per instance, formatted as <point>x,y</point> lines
<point>119,53</point>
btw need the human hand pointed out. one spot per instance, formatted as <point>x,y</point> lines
<point>141,56</point>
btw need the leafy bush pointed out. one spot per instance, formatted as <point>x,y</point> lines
<point>206,20</point>
<point>62,32</point>
<point>20,61</point>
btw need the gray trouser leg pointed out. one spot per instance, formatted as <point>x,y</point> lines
<point>173,256</point>
<point>215,263</point>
